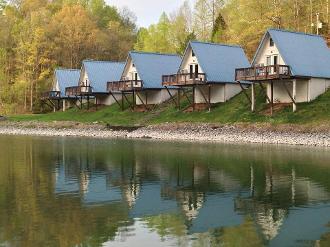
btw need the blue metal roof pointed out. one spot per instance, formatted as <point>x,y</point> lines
<point>101,72</point>
<point>66,78</point>
<point>306,54</point>
<point>152,66</point>
<point>219,61</point>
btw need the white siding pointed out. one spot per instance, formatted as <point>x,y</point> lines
<point>56,86</point>
<point>107,99</point>
<point>231,90</point>
<point>317,87</point>
<point>154,97</point>
<point>267,50</point>
<point>307,90</point>
<point>188,60</point>
<point>219,93</point>
<point>83,80</point>
<point>130,70</point>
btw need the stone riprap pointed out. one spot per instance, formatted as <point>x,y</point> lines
<point>178,132</point>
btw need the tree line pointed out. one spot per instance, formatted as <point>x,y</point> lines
<point>36,36</point>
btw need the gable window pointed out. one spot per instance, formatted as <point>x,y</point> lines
<point>193,53</point>
<point>271,42</point>
<point>191,71</point>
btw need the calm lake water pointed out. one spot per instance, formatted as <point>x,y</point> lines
<point>87,192</point>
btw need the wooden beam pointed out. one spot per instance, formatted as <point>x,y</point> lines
<point>142,101</point>
<point>203,95</point>
<point>243,90</point>
<point>179,98</point>
<point>122,101</point>
<point>184,94</point>
<point>194,97</point>
<point>253,96</point>
<point>271,97</point>
<point>210,91</point>
<point>171,96</point>
<point>129,103</point>
<point>264,91</point>
<point>113,96</point>
<point>294,92</point>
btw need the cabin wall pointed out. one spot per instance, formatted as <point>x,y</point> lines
<point>108,99</point>
<point>231,90</point>
<point>267,50</point>
<point>130,70</point>
<point>327,83</point>
<point>219,93</point>
<point>281,95</point>
<point>154,97</point>
<point>188,59</point>
<point>56,86</point>
<point>84,80</point>
<point>317,87</point>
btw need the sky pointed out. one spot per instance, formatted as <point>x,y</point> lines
<point>148,11</point>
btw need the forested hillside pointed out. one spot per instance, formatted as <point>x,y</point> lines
<point>37,36</point>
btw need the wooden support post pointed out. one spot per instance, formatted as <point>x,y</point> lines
<point>194,98</point>
<point>171,96</point>
<point>63,105</point>
<point>271,98</point>
<point>96,102</point>
<point>210,97</point>
<point>81,102</point>
<point>243,90</point>
<point>122,101</point>
<point>179,98</point>
<point>253,96</point>
<point>88,102</point>
<point>134,99</point>
<point>294,95</point>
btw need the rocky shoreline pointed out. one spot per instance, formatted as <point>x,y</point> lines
<point>262,134</point>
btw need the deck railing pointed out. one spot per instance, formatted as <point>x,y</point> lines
<point>261,73</point>
<point>183,79</point>
<point>51,95</point>
<point>78,91</point>
<point>124,85</point>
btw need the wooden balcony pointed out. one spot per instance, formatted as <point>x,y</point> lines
<point>184,79</point>
<point>263,73</point>
<point>124,85</point>
<point>78,91</point>
<point>51,95</point>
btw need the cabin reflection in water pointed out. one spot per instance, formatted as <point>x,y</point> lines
<point>213,193</point>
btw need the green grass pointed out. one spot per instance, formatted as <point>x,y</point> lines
<point>237,110</point>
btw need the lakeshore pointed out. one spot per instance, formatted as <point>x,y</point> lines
<point>237,133</point>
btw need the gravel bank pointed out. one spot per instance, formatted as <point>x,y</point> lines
<point>288,135</point>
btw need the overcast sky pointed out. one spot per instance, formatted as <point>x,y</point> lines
<point>148,11</point>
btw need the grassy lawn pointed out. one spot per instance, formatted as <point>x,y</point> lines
<point>237,110</point>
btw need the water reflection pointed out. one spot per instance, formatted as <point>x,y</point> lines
<point>69,192</point>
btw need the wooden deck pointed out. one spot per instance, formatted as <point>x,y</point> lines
<point>263,73</point>
<point>51,95</point>
<point>184,79</point>
<point>124,85</point>
<point>78,91</point>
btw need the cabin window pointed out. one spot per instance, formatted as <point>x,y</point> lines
<point>191,71</point>
<point>133,65</point>
<point>193,53</point>
<point>271,42</point>
<point>275,63</point>
<point>268,61</point>
<point>135,76</point>
<point>196,71</point>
